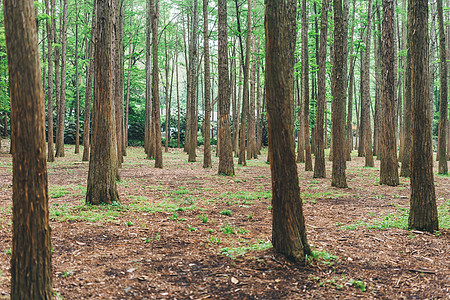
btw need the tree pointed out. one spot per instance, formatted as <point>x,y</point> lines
<point>61,108</point>
<point>207,148</point>
<point>288,224</point>
<point>193,84</point>
<point>338,178</point>
<point>50,12</point>
<point>31,274</point>
<point>101,183</point>
<point>77,106</point>
<point>423,210</point>
<point>156,119</point>
<point>367,135</point>
<point>226,166</point>
<point>389,163</point>
<point>319,166</point>
<point>252,151</point>
<point>442,143</point>
<point>305,87</point>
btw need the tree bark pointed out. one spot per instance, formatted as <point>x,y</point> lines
<point>193,57</point>
<point>305,87</point>
<point>77,109</point>
<point>366,94</point>
<point>31,271</point>
<point>319,166</point>
<point>207,147</point>
<point>288,224</point>
<point>442,143</point>
<point>226,166</point>
<point>351,84</point>
<point>62,99</point>
<point>338,177</point>
<point>251,135</point>
<point>101,184</point>
<point>423,210</point>
<point>50,12</point>
<point>389,163</point>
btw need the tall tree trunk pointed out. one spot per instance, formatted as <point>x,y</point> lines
<point>31,270</point>
<point>389,163</point>
<point>338,177</point>
<point>377,45</point>
<point>77,117</point>
<point>301,132</point>
<point>193,57</point>
<point>245,98</point>
<point>366,94</point>
<point>288,224</point>
<point>443,168</point>
<point>423,211</point>
<point>319,166</point>
<point>207,147</point>
<point>148,88</point>
<point>305,87</point>
<point>62,99</point>
<point>87,100</point>
<point>226,166</point>
<point>178,108</point>
<point>251,130</point>
<point>50,25</point>
<point>156,122</point>
<point>258,111</point>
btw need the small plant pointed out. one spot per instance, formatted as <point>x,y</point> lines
<point>174,217</point>
<point>129,223</point>
<point>8,251</point>
<point>269,207</point>
<point>210,230</point>
<point>358,284</point>
<point>191,228</point>
<point>214,239</point>
<point>226,212</point>
<point>228,229</point>
<point>148,240</point>
<point>242,231</point>
<point>250,216</point>
<point>66,274</point>
<point>204,218</point>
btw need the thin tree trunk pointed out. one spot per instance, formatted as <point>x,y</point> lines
<point>77,133</point>
<point>50,25</point>
<point>207,147</point>
<point>251,130</point>
<point>366,94</point>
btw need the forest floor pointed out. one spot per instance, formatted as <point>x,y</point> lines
<point>183,232</point>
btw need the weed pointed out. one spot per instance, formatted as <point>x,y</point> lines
<point>129,223</point>
<point>191,228</point>
<point>214,239</point>
<point>8,251</point>
<point>228,229</point>
<point>239,251</point>
<point>269,207</point>
<point>242,231</point>
<point>66,274</point>
<point>226,212</point>
<point>358,284</point>
<point>250,216</point>
<point>174,217</point>
<point>204,218</point>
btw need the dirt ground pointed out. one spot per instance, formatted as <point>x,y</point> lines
<point>184,232</point>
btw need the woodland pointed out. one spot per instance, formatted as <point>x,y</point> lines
<point>230,150</point>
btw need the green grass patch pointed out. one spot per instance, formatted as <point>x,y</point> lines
<point>240,251</point>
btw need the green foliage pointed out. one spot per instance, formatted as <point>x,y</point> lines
<point>240,251</point>
<point>226,212</point>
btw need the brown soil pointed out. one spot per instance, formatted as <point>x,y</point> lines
<point>156,245</point>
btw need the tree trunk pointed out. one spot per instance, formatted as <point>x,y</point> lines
<point>77,110</point>
<point>62,100</point>
<point>389,163</point>
<point>351,83</point>
<point>301,132</point>
<point>288,224</point>
<point>193,57</point>
<point>423,211</point>
<point>50,25</point>
<point>442,143</point>
<point>251,135</point>
<point>338,177</point>
<point>207,147</point>
<point>319,166</point>
<point>87,100</point>
<point>226,166</point>
<point>101,183</point>
<point>366,94</point>
<point>148,88</point>
<point>31,270</point>
<point>156,122</point>
<point>305,87</point>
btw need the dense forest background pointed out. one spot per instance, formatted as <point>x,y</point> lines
<point>176,25</point>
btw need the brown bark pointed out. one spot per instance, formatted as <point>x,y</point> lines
<point>442,144</point>
<point>366,94</point>
<point>338,177</point>
<point>207,147</point>
<point>305,87</point>
<point>226,166</point>
<point>87,99</point>
<point>62,100</point>
<point>31,271</point>
<point>118,77</point>
<point>50,12</point>
<point>156,119</point>
<point>288,224</point>
<point>319,166</point>
<point>101,183</point>
<point>193,57</point>
<point>301,132</point>
<point>423,210</point>
<point>77,105</point>
<point>148,89</point>
<point>251,132</point>
<point>389,163</point>
<point>351,83</point>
